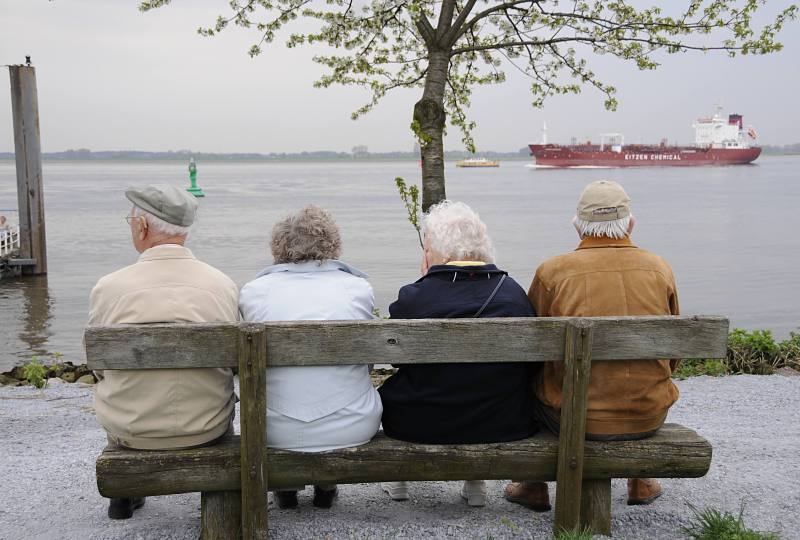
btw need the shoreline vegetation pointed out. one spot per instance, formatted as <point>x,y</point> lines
<point>357,154</point>
<point>750,352</point>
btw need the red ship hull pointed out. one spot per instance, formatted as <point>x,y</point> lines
<point>554,155</point>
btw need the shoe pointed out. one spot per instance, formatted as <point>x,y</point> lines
<point>533,495</point>
<point>324,498</point>
<point>474,492</point>
<point>286,499</point>
<point>643,490</point>
<point>123,508</point>
<point>398,491</point>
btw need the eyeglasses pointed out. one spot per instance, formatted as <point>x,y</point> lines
<point>130,219</point>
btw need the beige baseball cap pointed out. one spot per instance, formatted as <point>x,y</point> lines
<point>603,200</point>
<point>172,204</point>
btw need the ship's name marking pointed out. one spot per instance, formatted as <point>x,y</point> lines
<point>654,157</point>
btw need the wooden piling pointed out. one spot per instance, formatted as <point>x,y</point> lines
<point>28,153</point>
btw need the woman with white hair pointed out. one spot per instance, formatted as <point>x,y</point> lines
<point>464,403</point>
<point>313,408</point>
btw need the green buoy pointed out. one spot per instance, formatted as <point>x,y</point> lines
<point>194,189</point>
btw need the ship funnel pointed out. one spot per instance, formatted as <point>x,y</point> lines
<point>544,132</point>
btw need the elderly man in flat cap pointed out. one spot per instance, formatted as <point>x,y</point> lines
<point>165,408</point>
<point>605,276</point>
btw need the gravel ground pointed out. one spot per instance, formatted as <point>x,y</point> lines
<point>49,442</point>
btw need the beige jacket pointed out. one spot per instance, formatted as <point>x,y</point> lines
<point>607,277</point>
<point>165,408</point>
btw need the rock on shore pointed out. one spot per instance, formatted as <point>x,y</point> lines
<point>63,371</point>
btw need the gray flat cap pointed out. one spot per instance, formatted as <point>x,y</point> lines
<point>169,203</point>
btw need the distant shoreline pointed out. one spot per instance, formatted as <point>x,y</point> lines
<point>85,155</point>
<point>239,157</point>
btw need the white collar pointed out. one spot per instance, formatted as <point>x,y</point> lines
<point>313,266</point>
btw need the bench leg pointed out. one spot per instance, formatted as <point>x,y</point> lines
<point>220,515</point>
<point>596,506</point>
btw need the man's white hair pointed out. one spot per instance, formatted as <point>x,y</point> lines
<point>159,225</point>
<point>616,228</point>
<point>457,233</point>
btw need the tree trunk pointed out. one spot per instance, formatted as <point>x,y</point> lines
<point>430,118</point>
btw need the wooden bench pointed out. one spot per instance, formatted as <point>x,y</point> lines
<point>233,477</point>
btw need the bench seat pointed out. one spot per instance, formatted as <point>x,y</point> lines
<point>674,452</point>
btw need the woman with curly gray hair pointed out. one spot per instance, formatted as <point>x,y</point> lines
<point>319,408</point>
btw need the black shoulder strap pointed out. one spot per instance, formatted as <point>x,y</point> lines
<point>497,288</point>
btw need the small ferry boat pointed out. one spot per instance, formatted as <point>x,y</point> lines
<point>477,162</point>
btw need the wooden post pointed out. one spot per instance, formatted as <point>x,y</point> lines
<point>220,515</point>
<point>253,412</point>
<point>569,476</point>
<point>596,505</point>
<point>28,153</point>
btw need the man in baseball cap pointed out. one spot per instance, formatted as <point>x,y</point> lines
<point>607,275</point>
<point>163,408</point>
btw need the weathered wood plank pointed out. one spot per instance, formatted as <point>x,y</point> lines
<point>404,341</point>
<point>220,515</point>
<point>674,452</point>
<point>253,408</point>
<point>153,346</point>
<point>577,367</point>
<point>596,506</point>
<point>633,338</point>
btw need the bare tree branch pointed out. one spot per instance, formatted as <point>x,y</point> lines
<point>490,11</point>
<point>425,29</point>
<point>453,32</point>
<point>445,19</point>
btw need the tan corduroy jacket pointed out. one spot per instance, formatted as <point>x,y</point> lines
<point>164,408</point>
<point>608,277</point>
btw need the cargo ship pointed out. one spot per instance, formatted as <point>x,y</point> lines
<point>718,141</point>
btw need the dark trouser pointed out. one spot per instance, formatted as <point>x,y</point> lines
<point>549,418</point>
<point>323,487</point>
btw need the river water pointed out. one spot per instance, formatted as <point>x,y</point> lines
<point>730,233</point>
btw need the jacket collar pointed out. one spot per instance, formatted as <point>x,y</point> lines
<point>166,251</point>
<point>591,242</point>
<point>453,269</point>
<point>312,266</point>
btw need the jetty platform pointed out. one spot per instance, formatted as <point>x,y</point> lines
<point>10,263</point>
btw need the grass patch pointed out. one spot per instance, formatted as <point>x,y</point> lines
<point>711,524</point>
<point>580,534</point>
<point>749,352</point>
<point>693,368</point>
<point>35,373</point>
<point>510,524</point>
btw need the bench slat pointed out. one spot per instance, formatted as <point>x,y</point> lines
<point>674,452</point>
<point>254,474</point>
<point>577,368</point>
<point>403,341</point>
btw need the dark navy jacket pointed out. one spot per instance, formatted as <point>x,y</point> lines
<point>459,403</point>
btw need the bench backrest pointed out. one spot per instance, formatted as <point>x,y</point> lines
<point>254,346</point>
<point>313,343</point>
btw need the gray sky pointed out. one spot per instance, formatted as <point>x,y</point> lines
<point>111,78</point>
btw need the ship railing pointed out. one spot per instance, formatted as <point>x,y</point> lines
<point>9,241</point>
